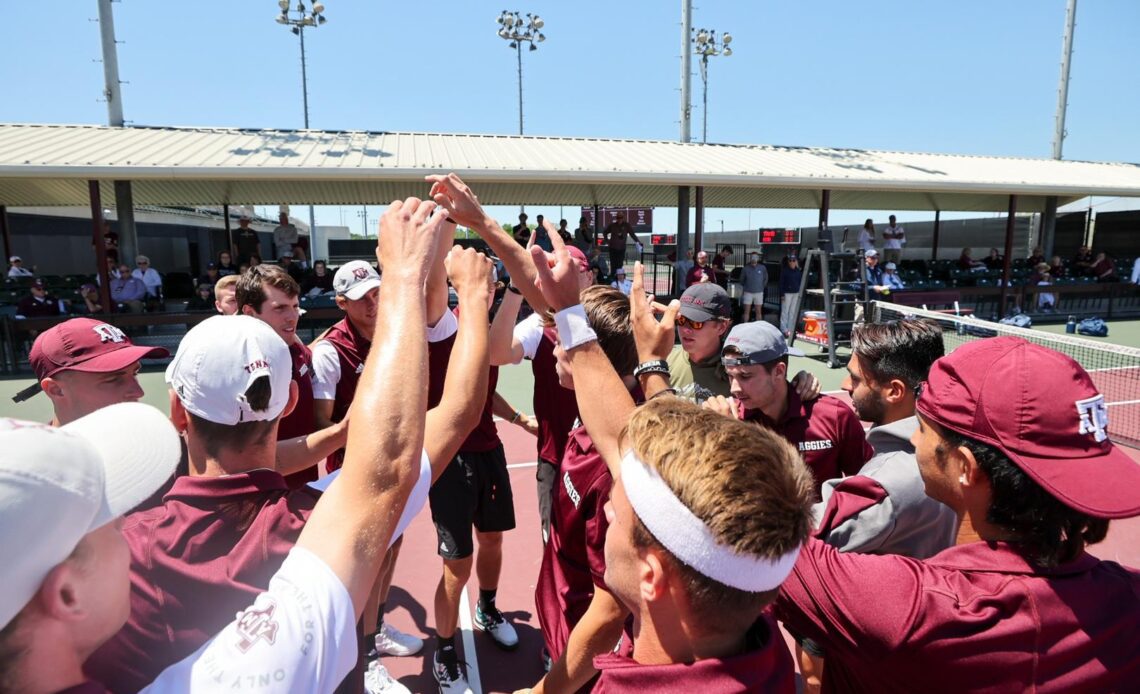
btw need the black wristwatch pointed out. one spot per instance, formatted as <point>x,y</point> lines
<point>657,366</point>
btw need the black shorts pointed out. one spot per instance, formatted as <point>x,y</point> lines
<point>474,490</point>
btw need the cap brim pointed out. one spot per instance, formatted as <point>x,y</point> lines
<point>359,290</point>
<point>1102,486</point>
<point>119,359</point>
<point>696,313</point>
<point>140,451</point>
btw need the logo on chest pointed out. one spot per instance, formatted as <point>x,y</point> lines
<point>575,497</point>
<point>821,445</point>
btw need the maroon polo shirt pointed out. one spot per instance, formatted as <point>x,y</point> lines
<point>485,436</point>
<point>196,561</point>
<point>826,432</point>
<point>765,667</point>
<point>975,617</point>
<point>696,272</point>
<point>351,349</point>
<point>555,407</point>
<point>573,560</point>
<point>300,421</point>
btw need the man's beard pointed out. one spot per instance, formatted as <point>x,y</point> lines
<point>871,408</point>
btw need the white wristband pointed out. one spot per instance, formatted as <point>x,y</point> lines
<point>573,327</point>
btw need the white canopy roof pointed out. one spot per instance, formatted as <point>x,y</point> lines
<point>51,164</point>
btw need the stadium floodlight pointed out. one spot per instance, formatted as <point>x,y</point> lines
<point>708,46</point>
<point>516,31</point>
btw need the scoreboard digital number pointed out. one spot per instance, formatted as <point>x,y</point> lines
<point>780,237</point>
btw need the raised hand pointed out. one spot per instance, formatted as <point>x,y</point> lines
<point>557,276</point>
<point>723,406</point>
<point>469,272</point>
<point>408,236</point>
<point>654,338</point>
<point>451,192</point>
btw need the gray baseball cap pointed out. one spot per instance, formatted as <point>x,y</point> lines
<point>757,342</point>
<point>354,279</point>
<point>702,302</point>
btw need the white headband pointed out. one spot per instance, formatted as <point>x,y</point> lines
<point>690,540</point>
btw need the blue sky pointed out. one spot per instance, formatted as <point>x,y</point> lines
<point>970,76</point>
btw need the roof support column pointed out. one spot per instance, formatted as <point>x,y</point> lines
<point>682,236</point>
<point>1048,226</point>
<point>5,231</point>
<point>824,208</point>
<point>100,246</point>
<point>230,245</point>
<point>1009,221</point>
<point>125,210</point>
<point>937,226</point>
<point>699,231</point>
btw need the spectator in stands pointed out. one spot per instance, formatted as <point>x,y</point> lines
<point>867,236</point>
<point>38,303</point>
<point>16,268</point>
<point>682,266</point>
<point>246,241</point>
<point>701,272</point>
<point>718,261</point>
<point>1104,269</point>
<point>1038,256</point>
<point>994,261</point>
<point>584,235</point>
<point>521,231</point>
<point>597,264</point>
<point>318,281</point>
<point>203,299</point>
<point>292,268</point>
<point>563,232</point>
<point>225,300</point>
<point>966,261</point>
<point>285,236</point>
<point>891,277</point>
<point>615,235</point>
<point>1057,267</point>
<point>754,280</point>
<point>1046,301</point>
<point>620,282</point>
<point>149,277</point>
<point>1039,271</point>
<point>211,277</point>
<point>541,236</point>
<point>790,277</point>
<point>1083,261</point>
<point>873,274</point>
<point>226,264</point>
<point>128,291</point>
<point>110,243</point>
<point>90,294</point>
<point>894,238</point>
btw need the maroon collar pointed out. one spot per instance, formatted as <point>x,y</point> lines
<point>213,490</point>
<point>1003,557</point>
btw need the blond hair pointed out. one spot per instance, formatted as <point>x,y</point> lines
<point>227,282</point>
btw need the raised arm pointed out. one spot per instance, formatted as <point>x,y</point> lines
<point>302,452</point>
<point>452,192</point>
<point>436,290</point>
<point>465,386</point>
<point>504,348</point>
<point>352,525</point>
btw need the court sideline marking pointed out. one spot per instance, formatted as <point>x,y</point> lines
<point>469,653</point>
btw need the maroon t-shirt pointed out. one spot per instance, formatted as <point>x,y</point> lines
<point>826,432</point>
<point>555,407</point>
<point>351,349</point>
<point>300,421</point>
<point>765,667</point>
<point>196,561</point>
<point>485,436</point>
<point>573,560</point>
<point>975,617</point>
<point>696,272</point>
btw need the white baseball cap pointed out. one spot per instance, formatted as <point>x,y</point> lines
<point>217,362</point>
<point>355,278</point>
<point>15,258</point>
<point>58,484</point>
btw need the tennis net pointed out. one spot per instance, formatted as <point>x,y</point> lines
<point>1115,369</point>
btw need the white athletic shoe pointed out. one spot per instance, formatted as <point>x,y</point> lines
<point>497,627</point>
<point>392,641</point>
<point>378,681</point>
<point>450,678</point>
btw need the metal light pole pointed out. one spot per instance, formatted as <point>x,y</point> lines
<point>305,18</point>
<point>708,46</point>
<point>1049,218</point>
<point>513,28</point>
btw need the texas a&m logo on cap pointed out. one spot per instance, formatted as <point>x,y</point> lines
<point>360,273</point>
<point>109,333</point>
<point>254,625</point>
<point>1093,413</point>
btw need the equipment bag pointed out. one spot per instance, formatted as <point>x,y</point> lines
<point>1093,326</point>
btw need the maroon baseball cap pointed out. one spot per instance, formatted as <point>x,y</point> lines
<point>83,344</point>
<point>1041,409</point>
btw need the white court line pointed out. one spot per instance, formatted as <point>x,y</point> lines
<point>515,466</point>
<point>1125,402</point>
<point>469,654</point>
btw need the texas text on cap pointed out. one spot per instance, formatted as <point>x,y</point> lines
<point>83,344</point>
<point>1042,410</point>
<point>217,362</point>
<point>702,302</point>
<point>58,484</point>
<point>757,342</point>
<point>354,279</point>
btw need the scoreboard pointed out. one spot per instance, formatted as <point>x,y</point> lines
<point>779,237</point>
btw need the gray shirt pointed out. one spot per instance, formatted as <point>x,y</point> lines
<point>884,509</point>
<point>754,278</point>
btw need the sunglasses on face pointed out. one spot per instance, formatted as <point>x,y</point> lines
<point>690,323</point>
